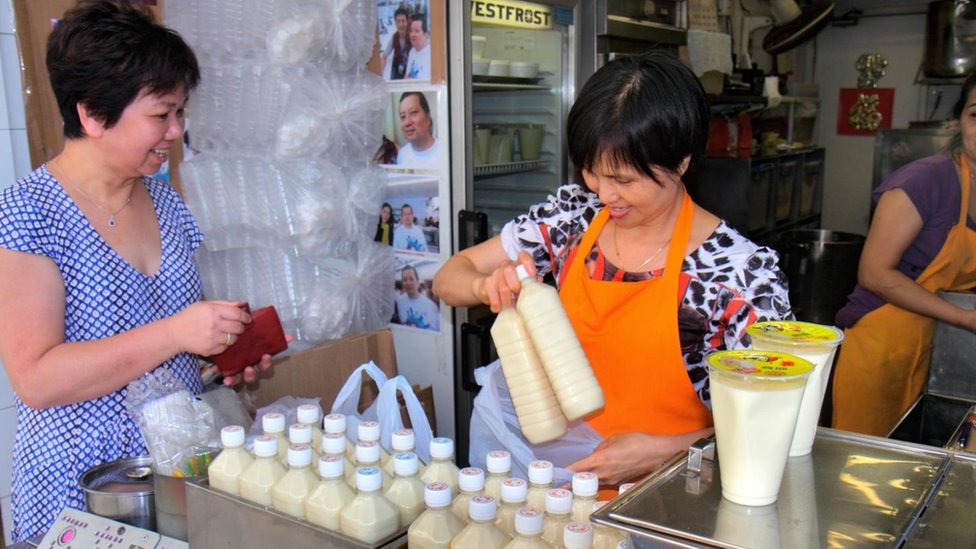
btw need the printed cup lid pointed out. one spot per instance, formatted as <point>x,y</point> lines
<point>754,364</point>
<point>793,332</point>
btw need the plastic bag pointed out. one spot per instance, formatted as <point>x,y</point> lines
<point>388,414</point>
<point>495,426</point>
<point>347,401</point>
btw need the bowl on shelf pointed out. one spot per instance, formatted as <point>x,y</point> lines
<point>524,69</point>
<point>499,67</point>
<point>479,67</point>
<point>477,46</point>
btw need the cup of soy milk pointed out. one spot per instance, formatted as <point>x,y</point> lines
<point>755,402</point>
<point>815,343</point>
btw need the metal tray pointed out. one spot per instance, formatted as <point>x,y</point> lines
<point>948,520</point>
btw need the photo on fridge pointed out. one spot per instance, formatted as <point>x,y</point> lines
<point>415,304</point>
<point>410,225</point>
<point>410,133</point>
<point>404,38</point>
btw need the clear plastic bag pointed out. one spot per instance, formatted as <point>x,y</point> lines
<point>353,32</point>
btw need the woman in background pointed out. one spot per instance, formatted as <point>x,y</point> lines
<point>384,225</point>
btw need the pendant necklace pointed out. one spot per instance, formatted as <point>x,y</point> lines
<point>616,247</point>
<point>111,215</point>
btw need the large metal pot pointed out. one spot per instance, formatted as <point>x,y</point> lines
<point>122,490</point>
<point>950,39</point>
<point>822,269</point>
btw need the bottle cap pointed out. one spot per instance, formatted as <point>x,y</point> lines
<point>273,423</point>
<point>266,446</point>
<point>521,272</point>
<point>442,448</point>
<point>300,433</point>
<point>624,487</point>
<point>333,443</point>
<point>471,479</point>
<point>578,535</point>
<point>309,413</point>
<point>403,440</point>
<point>437,494</point>
<point>499,461</point>
<point>585,484</point>
<point>367,451</point>
<point>232,436</point>
<point>331,466</point>
<point>369,430</point>
<point>514,490</point>
<point>482,508</point>
<point>541,472</point>
<point>528,521</point>
<point>405,464</point>
<point>559,501</point>
<point>334,423</point>
<point>299,455</point>
<point>368,479</point>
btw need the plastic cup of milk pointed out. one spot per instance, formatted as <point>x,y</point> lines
<point>755,402</point>
<point>815,343</point>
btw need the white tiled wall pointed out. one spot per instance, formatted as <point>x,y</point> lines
<point>14,164</point>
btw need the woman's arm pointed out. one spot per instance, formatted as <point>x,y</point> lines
<point>627,456</point>
<point>481,274</point>
<point>46,371</point>
<point>895,226</point>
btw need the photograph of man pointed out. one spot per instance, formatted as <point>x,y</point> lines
<point>421,149</point>
<point>407,235</point>
<point>395,53</point>
<point>418,59</point>
<point>412,307</point>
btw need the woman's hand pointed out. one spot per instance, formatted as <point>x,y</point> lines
<point>627,456</point>
<point>207,328</point>
<point>251,373</point>
<point>500,288</point>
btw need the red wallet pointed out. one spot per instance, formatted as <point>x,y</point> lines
<point>263,335</point>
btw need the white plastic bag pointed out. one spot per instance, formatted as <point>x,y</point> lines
<point>388,412</point>
<point>494,426</point>
<point>347,401</point>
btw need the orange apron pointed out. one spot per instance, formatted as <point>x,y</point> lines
<point>629,331</point>
<point>884,361</point>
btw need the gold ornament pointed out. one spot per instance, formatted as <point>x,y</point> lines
<point>864,115</point>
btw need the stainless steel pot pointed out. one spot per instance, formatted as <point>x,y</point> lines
<point>122,490</point>
<point>822,269</point>
<point>950,39</point>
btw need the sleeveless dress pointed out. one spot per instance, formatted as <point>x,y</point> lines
<point>104,296</point>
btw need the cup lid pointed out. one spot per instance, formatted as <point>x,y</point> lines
<point>751,364</point>
<point>792,332</point>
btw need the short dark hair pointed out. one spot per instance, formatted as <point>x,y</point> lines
<point>639,111</point>
<point>404,11</point>
<point>406,206</point>
<point>410,268</point>
<point>422,17</point>
<point>420,97</point>
<point>102,54</point>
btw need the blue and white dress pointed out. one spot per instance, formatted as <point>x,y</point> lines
<point>104,296</point>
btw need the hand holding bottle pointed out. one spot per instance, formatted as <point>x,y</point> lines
<point>500,288</point>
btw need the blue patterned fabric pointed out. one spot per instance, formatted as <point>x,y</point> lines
<point>104,297</point>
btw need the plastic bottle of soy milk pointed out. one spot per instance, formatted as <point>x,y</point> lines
<point>402,440</point>
<point>513,499</point>
<point>442,468</point>
<point>301,433</point>
<point>331,495</point>
<point>499,465</point>
<point>291,492</point>
<point>481,532</point>
<point>258,479</point>
<point>437,526</point>
<point>605,537</point>
<point>578,535</point>
<point>336,424</point>
<point>226,470</point>
<point>528,530</point>
<point>310,415</point>
<point>274,424</point>
<point>369,517</point>
<point>406,492</point>
<point>471,483</point>
<point>559,508</point>
<point>541,474</point>
<point>368,455</point>
<point>334,444</point>
<point>572,379</point>
<point>585,487</point>
<point>370,431</point>
<point>540,417</point>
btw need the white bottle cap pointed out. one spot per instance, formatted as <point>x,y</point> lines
<point>541,472</point>
<point>232,436</point>
<point>369,430</point>
<point>334,443</point>
<point>624,487</point>
<point>482,508</point>
<point>266,446</point>
<point>521,273</point>
<point>300,433</point>
<point>273,423</point>
<point>403,440</point>
<point>499,461</point>
<point>437,494</point>
<point>299,455</point>
<point>405,464</point>
<point>585,484</point>
<point>441,448</point>
<point>368,479</point>
<point>559,501</point>
<point>514,490</point>
<point>528,521</point>
<point>471,479</point>
<point>578,535</point>
<point>334,423</point>
<point>331,466</point>
<point>367,451</point>
<point>309,413</point>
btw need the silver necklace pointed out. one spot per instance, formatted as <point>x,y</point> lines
<point>111,215</point>
<point>616,247</point>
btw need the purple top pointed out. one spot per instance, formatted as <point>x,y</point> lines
<point>932,185</point>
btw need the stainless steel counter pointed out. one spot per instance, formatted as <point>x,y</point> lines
<point>950,520</point>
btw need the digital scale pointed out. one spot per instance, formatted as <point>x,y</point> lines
<point>80,530</point>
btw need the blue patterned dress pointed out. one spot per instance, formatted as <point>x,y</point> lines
<point>104,296</point>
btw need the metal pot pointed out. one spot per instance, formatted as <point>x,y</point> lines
<point>950,39</point>
<point>122,490</point>
<point>822,269</point>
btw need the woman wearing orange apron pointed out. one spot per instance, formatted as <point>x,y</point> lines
<point>883,365</point>
<point>650,281</point>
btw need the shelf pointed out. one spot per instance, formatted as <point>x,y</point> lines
<point>498,86</point>
<point>511,167</point>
